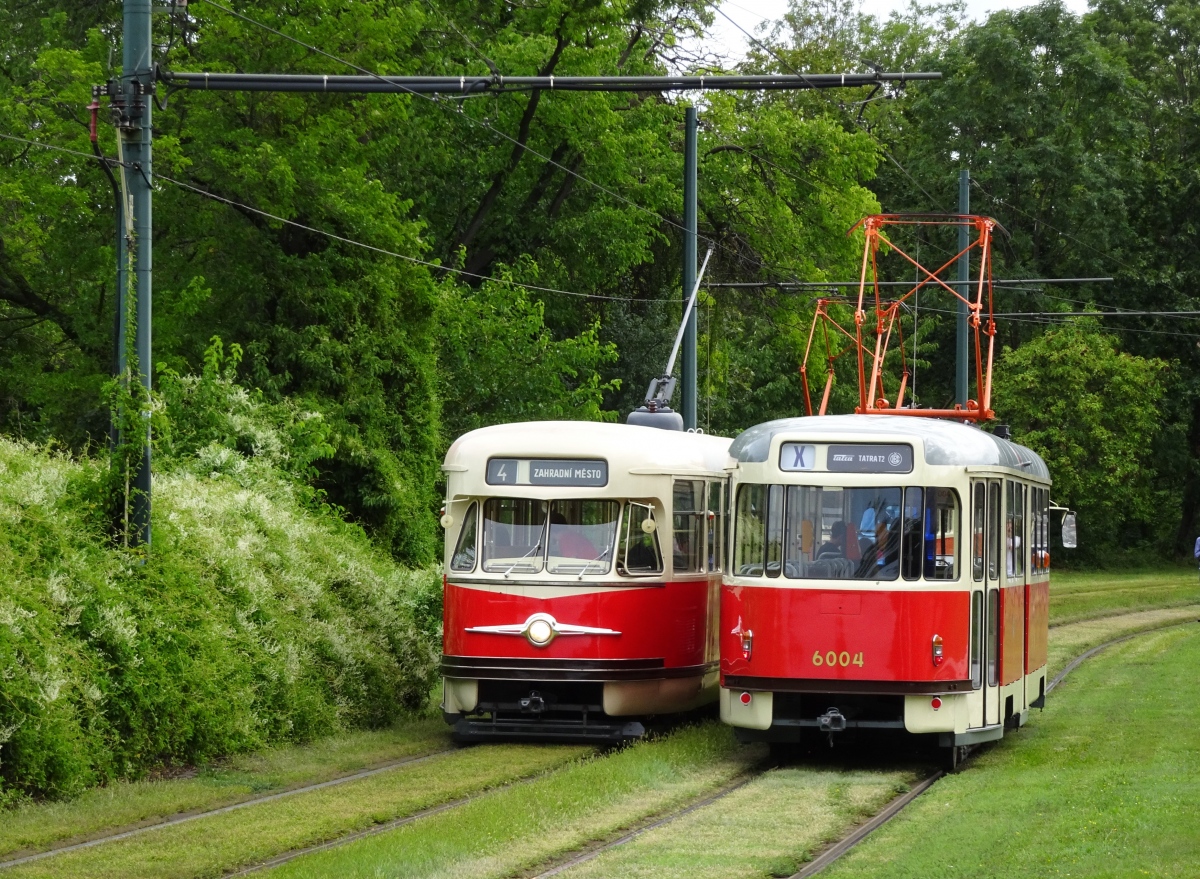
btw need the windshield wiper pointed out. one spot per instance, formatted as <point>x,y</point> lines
<point>510,568</point>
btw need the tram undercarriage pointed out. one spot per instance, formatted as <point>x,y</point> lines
<point>561,710</point>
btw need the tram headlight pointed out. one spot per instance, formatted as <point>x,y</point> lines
<point>747,644</point>
<point>540,632</point>
<point>937,651</point>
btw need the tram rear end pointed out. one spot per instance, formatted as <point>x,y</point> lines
<point>887,574</point>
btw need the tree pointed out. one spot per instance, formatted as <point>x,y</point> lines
<point>1092,412</point>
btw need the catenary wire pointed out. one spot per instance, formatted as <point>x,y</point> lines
<point>228,201</point>
<point>737,256</point>
<point>411,259</point>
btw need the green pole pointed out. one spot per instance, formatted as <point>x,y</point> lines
<point>964,290</point>
<point>688,367</point>
<point>136,131</point>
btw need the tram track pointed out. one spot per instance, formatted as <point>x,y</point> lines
<point>222,810</point>
<point>654,823</point>
<point>847,843</point>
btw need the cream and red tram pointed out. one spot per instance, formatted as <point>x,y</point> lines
<point>886,572</point>
<point>582,574</point>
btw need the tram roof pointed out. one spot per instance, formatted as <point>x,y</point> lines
<point>624,446</point>
<point>944,442</point>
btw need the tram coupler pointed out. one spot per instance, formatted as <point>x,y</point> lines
<point>832,721</point>
<point>533,703</point>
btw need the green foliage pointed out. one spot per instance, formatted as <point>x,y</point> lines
<point>500,363</point>
<point>1092,412</point>
<point>255,619</point>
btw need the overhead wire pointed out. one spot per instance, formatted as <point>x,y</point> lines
<point>401,256</point>
<point>760,264</point>
<point>332,235</point>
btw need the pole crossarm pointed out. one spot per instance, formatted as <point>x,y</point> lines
<point>466,85</point>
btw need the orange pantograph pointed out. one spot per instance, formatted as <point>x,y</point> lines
<point>873,377</point>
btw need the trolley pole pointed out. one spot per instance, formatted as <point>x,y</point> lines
<point>136,133</point>
<point>964,290</point>
<point>688,371</point>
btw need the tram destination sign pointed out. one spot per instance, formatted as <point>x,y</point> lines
<point>547,471</point>
<point>869,459</point>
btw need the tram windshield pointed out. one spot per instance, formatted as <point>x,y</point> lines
<point>573,536</point>
<point>830,532</point>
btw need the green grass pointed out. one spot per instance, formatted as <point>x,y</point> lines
<point>1103,784</point>
<point>765,829</point>
<point>512,831</point>
<point>127,804</point>
<point>221,843</point>
<point>1079,596</point>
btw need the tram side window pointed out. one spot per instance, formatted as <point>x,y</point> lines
<point>978,514</point>
<point>1014,530</point>
<point>513,535</point>
<point>976,637</point>
<point>638,552</point>
<point>581,536</point>
<point>941,534</point>
<point>993,535</point>
<point>993,637</point>
<point>687,549</point>
<point>716,518</point>
<point>750,531</point>
<point>463,559</point>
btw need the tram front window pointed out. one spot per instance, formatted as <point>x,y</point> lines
<point>838,533</point>
<point>582,533</point>
<point>513,535</point>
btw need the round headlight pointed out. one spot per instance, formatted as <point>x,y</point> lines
<point>539,633</point>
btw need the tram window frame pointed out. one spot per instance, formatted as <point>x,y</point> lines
<point>942,508</point>
<point>599,559</point>
<point>976,639</point>
<point>1015,548</point>
<point>993,526</point>
<point>527,563</point>
<point>912,532</point>
<point>993,638</point>
<point>627,540</point>
<point>714,521</point>
<point>978,530</point>
<point>470,529</point>
<point>775,521</point>
<point>750,530</point>
<point>688,499</point>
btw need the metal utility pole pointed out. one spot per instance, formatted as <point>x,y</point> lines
<point>136,134</point>
<point>131,100</point>
<point>964,290</point>
<point>689,370</point>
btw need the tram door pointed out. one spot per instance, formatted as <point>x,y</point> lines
<point>986,565</point>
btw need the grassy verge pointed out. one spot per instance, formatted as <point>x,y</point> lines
<point>221,843</point>
<point>510,832</point>
<point>1103,784</point>
<point>129,804</point>
<point>765,829</point>
<point>1071,639</point>
<point>1079,596</point>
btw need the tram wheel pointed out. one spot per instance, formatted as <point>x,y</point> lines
<point>955,756</point>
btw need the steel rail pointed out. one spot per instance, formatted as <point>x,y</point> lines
<point>729,788</point>
<point>233,807</point>
<point>892,809</point>
<point>282,82</point>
